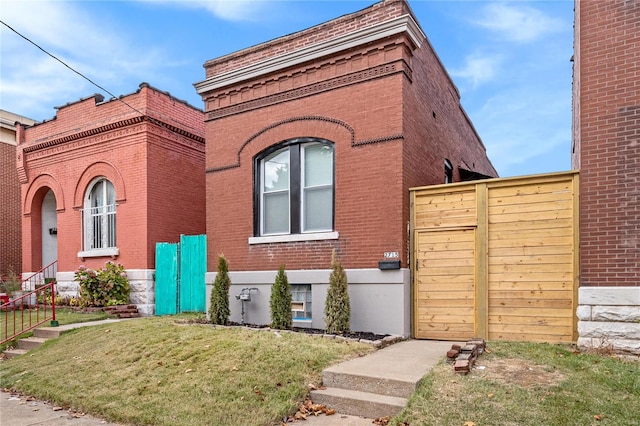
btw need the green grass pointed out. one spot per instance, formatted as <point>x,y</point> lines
<point>63,316</point>
<point>157,371</point>
<point>530,384</point>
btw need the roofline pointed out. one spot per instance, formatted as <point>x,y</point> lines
<point>402,24</point>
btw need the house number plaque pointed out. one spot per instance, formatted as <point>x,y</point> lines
<point>391,255</point>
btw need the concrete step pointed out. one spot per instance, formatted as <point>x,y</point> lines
<point>47,332</point>
<point>10,353</point>
<point>369,383</point>
<point>358,403</point>
<point>29,343</point>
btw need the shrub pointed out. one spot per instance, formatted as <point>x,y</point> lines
<point>219,309</point>
<point>10,283</point>
<point>337,310</point>
<point>280,301</point>
<point>105,287</point>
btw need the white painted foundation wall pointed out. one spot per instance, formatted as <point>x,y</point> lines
<point>380,300</point>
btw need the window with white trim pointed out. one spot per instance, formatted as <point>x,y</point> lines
<point>294,188</point>
<point>99,216</point>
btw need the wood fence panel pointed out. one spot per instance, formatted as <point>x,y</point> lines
<point>444,302</point>
<point>516,279</point>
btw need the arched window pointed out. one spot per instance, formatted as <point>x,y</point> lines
<point>99,216</point>
<point>294,188</point>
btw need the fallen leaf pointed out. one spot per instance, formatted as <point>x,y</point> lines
<point>599,416</point>
<point>107,331</point>
<point>490,395</point>
<point>57,408</point>
<point>330,412</point>
<point>188,370</point>
<point>469,423</point>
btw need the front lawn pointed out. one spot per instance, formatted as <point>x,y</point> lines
<point>530,384</point>
<point>156,371</point>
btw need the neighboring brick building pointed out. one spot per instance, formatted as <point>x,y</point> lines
<point>134,165</point>
<point>10,230</point>
<point>606,149</point>
<point>313,141</point>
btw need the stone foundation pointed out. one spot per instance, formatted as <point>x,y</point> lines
<point>141,283</point>
<point>609,317</point>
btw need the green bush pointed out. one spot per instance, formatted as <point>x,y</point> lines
<point>108,286</point>
<point>280,301</point>
<point>219,309</point>
<point>337,309</point>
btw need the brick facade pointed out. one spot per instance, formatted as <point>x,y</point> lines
<point>10,231</point>
<point>150,147</point>
<point>387,104</point>
<point>370,83</point>
<point>606,149</point>
<point>607,140</point>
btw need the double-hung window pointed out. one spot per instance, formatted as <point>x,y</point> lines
<point>294,191</point>
<point>99,216</point>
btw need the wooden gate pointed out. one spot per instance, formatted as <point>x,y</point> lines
<point>445,284</point>
<point>496,259</point>
<point>180,271</point>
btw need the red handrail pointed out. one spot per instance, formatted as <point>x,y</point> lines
<point>28,311</point>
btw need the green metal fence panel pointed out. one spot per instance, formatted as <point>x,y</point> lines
<point>166,278</point>
<point>193,265</point>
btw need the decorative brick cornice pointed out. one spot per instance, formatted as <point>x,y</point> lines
<point>354,142</point>
<point>312,89</point>
<point>108,128</point>
<point>405,24</point>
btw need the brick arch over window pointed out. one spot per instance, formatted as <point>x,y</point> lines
<point>307,126</point>
<point>95,170</point>
<point>40,182</point>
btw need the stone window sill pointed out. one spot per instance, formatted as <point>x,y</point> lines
<point>291,238</point>
<point>112,252</point>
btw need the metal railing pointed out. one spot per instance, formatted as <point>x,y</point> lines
<point>43,276</point>
<point>31,309</point>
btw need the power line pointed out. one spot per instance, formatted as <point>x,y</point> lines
<point>71,68</point>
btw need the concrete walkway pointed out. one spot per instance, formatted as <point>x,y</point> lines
<point>405,361</point>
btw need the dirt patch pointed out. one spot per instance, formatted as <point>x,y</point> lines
<point>517,371</point>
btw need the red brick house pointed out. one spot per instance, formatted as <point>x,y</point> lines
<point>313,141</point>
<point>107,179</point>
<point>10,230</point>
<point>606,149</point>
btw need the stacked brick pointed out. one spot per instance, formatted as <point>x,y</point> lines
<point>464,357</point>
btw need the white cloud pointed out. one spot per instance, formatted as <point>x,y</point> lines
<point>521,124</point>
<point>32,82</point>
<point>229,10</point>
<point>479,68</point>
<point>520,24</point>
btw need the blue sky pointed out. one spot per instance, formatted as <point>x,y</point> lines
<point>509,59</point>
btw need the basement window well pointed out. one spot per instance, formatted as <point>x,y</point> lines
<point>300,302</point>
